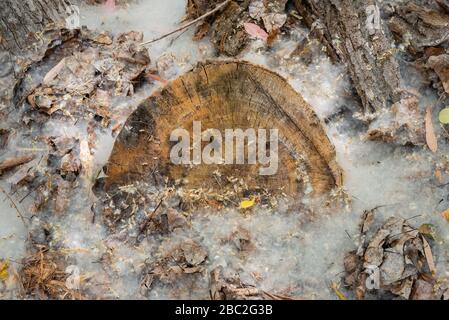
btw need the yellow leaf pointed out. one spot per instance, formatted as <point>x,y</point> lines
<point>245,204</point>
<point>340,295</point>
<point>444,116</point>
<point>4,275</point>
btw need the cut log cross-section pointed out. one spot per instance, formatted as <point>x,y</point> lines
<point>226,95</point>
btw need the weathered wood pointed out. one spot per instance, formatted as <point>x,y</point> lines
<point>226,95</point>
<point>365,47</point>
<point>22,21</point>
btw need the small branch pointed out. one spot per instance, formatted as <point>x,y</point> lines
<point>9,164</point>
<point>14,205</point>
<point>207,14</point>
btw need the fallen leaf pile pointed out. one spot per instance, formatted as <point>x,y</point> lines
<point>181,261</point>
<point>81,79</point>
<point>400,255</point>
<point>103,68</point>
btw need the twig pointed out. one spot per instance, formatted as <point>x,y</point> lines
<point>11,163</point>
<point>148,220</point>
<point>14,205</point>
<point>207,14</point>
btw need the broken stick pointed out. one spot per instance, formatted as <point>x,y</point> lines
<point>191,23</point>
<point>11,163</point>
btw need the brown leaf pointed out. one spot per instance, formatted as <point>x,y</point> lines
<point>429,256</point>
<point>441,66</point>
<point>431,139</point>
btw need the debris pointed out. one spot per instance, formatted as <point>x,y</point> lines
<point>428,230</point>
<point>441,66</point>
<point>271,13</point>
<point>53,73</point>
<point>4,135</point>
<point>230,288</point>
<point>403,124</point>
<point>12,163</point>
<point>43,276</point>
<point>429,256</point>
<point>394,259</point>
<point>431,139</point>
<point>183,260</point>
<point>255,31</point>
<point>241,238</point>
<point>191,23</point>
<point>70,163</point>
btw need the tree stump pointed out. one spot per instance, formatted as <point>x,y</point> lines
<point>225,95</point>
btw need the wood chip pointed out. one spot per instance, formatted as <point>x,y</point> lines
<point>53,73</point>
<point>431,139</point>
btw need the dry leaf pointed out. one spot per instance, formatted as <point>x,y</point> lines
<point>445,214</point>
<point>255,31</point>
<point>4,275</point>
<point>53,73</point>
<point>431,139</point>
<point>429,256</point>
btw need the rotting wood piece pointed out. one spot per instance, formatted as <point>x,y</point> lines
<point>365,48</point>
<point>225,95</point>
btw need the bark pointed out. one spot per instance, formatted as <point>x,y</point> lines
<point>364,46</point>
<point>22,21</point>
